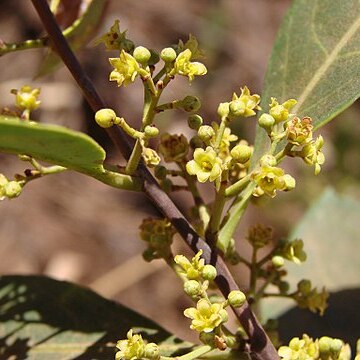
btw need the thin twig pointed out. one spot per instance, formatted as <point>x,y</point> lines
<point>261,346</point>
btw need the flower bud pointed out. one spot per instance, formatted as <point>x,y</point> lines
<point>152,351</point>
<point>106,118</point>
<point>207,338</point>
<point>209,272</point>
<point>151,131</point>
<point>141,54</point>
<point>284,287</point>
<point>304,286</point>
<point>268,160</point>
<point>206,132</point>
<point>236,298</point>
<point>12,189</point>
<point>192,288</point>
<point>190,103</point>
<point>290,182</point>
<point>266,121</point>
<point>195,121</point>
<point>160,172</point>
<point>224,315</point>
<point>241,153</point>
<point>223,109</point>
<point>168,54</point>
<point>196,142</point>
<point>278,261</point>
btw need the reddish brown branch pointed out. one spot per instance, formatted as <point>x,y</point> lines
<point>261,346</point>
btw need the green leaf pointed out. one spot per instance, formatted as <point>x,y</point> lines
<point>60,146</point>
<point>331,234</point>
<point>78,35</point>
<point>45,319</point>
<point>315,60</point>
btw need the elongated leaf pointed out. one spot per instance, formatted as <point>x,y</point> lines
<point>316,60</point>
<point>44,319</point>
<point>78,35</point>
<point>61,146</point>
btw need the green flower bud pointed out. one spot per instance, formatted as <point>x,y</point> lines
<point>152,351</point>
<point>284,287</point>
<point>192,288</point>
<point>325,343</point>
<point>106,118</point>
<point>151,131</point>
<point>168,54</point>
<point>141,54</point>
<point>12,189</point>
<point>209,272</point>
<point>195,121</point>
<point>266,121</point>
<point>196,142</point>
<point>241,153</point>
<point>223,109</point>
<point>154,59</point>
<point>206,132</point>
<point>190,103</point>
<point>160,172</point>
<point>166,185</point>
<point>236,298</point>
<point>207,338</point>
<point>304,286</point>
<point>278,261</point>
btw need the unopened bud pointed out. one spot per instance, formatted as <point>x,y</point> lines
<point>168,54</point>
<point>106,118</point>
<point>236,298</point>
<point>241,153</point>
<point>206,132</point>
<point>209,272</point>
<point>195,121</point>
<point>141,54</point>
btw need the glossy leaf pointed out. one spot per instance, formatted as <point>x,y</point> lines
<point>78,35</point>
<point>316,60</point>
<point>60,146</point>
<point>45,319</point>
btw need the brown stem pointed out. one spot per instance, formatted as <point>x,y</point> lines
<point>261,346</point>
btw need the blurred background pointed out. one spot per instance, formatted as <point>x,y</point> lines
<point>74,228</point>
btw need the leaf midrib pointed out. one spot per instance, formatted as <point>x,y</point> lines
<point>328,62</point>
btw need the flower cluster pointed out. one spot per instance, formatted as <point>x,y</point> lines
<point>134,347</point>
<point>158,234</point>
<point>297,132</point>
<point>306,348</point>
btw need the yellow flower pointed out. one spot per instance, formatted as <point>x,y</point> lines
<point>294,251</point>
<point>27,98</point>
<point>312,155</point>
<point>116,40</point>
<point>193,269</point>
<point>280,112</point>
<point>183,66</point>
<point>299,132</point>
<point>272,178</point>
<point>131,349</point>
<point>126,69</point>
<point>206,316</point>
<point>300,349</point>
<point>245,104</point>
<point>206,165</point>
